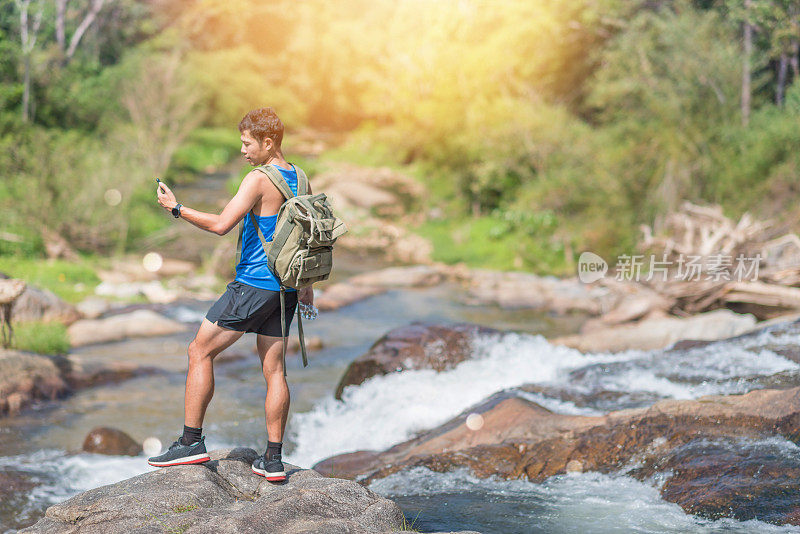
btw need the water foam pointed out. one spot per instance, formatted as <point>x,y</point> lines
<point>579,502</point>
<point>388,409</point>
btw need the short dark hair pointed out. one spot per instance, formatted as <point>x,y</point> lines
<point>263,123</point>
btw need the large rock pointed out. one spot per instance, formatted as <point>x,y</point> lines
<point>224,496</point>
<point>342,294</point>
<point>659,333</point>
<point>25,377</point>
<point>372,283</point>
<point>105,440</point>
<point>518,438</point>
<point>36,304</point>
<point>140,323</point>
<point>527,290</point>
<point>416,346</point>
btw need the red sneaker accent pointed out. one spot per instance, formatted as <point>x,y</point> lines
<point>271,479</point>
<point>197,461</point>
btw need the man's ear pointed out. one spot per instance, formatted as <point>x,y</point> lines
<point>268,144</point>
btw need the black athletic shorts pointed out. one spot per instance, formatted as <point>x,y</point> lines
<point>251,309</point>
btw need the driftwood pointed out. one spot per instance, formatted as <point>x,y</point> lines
<point>740,264</point>
<point>10,290</point>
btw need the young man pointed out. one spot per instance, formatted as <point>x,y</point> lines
<point>251,302</point>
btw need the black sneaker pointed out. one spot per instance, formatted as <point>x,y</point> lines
<point>272,470</point>
<point>180,454</point>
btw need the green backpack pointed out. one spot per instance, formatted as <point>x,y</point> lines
<point>301,250</point>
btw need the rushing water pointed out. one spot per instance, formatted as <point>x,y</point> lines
<point>41,447</point>
<point>384,410</point>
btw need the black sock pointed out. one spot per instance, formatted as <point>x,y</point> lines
<point>190,435</point>
<point>273,448</point>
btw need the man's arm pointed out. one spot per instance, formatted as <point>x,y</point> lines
<point>244,200</point>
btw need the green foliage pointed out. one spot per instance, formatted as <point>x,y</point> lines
<point>71,281</point>
<point>205,150</point>
<point>505,240</point>
<point>41,337</point>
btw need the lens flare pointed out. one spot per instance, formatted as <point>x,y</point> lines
<point>113,197</point>
<point>152,261</point>
<point>151,446</point>
<point>474,421</point>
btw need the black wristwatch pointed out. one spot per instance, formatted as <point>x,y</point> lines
<point>176,211</point>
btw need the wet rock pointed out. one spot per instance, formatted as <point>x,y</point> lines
<point>153,291</point>
<point>25,377</point>
<point>527,290</point>
<point>223,496</point>
<point>742,479</point>
<point>93,307</point>
<point>410,276</point>
<point>519,438</point>
<point>35,304</point>
<point>416,346</point>
<point>344,293</point>
<point>661,332</point>
<point>105,440</point>
<point>140,323</point>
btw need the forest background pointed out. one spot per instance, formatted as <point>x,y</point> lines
<point>541,128</point>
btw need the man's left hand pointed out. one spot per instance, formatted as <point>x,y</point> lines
<point>306,295</point>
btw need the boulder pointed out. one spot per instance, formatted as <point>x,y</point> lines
<point>409,276</point>
<point>224,496</point>
<point>660,332</point>
<point>35,304</point>
<point>343,293</point>
<point>527,290</point>
<point>140,323</point>
<point>93,307</point>
<point>518,438</point>
<point>371,283</point>
<point>105,440</point>
<point>416,346</point>
<point>25,377</point>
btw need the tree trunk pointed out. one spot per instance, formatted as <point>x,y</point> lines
<point>795,61</point>
<point>61,15</point>
<point>26,89</point>
<point>748,49</point>
<point>27,34</point>
<point>782,68</point>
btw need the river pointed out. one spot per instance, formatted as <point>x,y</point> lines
<point>42,445</point>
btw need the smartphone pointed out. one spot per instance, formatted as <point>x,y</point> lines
<point>159,184</point>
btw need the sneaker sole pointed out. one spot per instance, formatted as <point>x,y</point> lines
<point>187,460</point>
<point>272,477</point>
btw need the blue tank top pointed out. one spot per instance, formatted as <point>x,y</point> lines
<point>252,268</point>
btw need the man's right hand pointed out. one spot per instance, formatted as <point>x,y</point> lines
<point>306,295</point>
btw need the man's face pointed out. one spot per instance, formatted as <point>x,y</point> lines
<point>254,152</point>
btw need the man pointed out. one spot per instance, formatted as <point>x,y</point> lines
<point>251,302</point>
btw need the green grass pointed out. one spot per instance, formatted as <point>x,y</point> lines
<point>206,149</point>
<point>71,281</point>
<point>40,337</point>
<point>493,242</point>
<point>405,525</point>
<point>181,509</point>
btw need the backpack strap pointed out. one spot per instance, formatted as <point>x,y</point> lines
<point>302,180</point>
<point>299,331</point>
<point>277,178</point>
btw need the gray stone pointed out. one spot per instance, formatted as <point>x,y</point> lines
<point>224,496</point>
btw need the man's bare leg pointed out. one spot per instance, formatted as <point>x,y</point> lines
<point>209,341</point>
<point>276,405</point>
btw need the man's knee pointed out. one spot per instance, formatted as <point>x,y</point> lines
<point>197,352</point>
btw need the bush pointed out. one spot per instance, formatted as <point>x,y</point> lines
<point>41,337</point>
